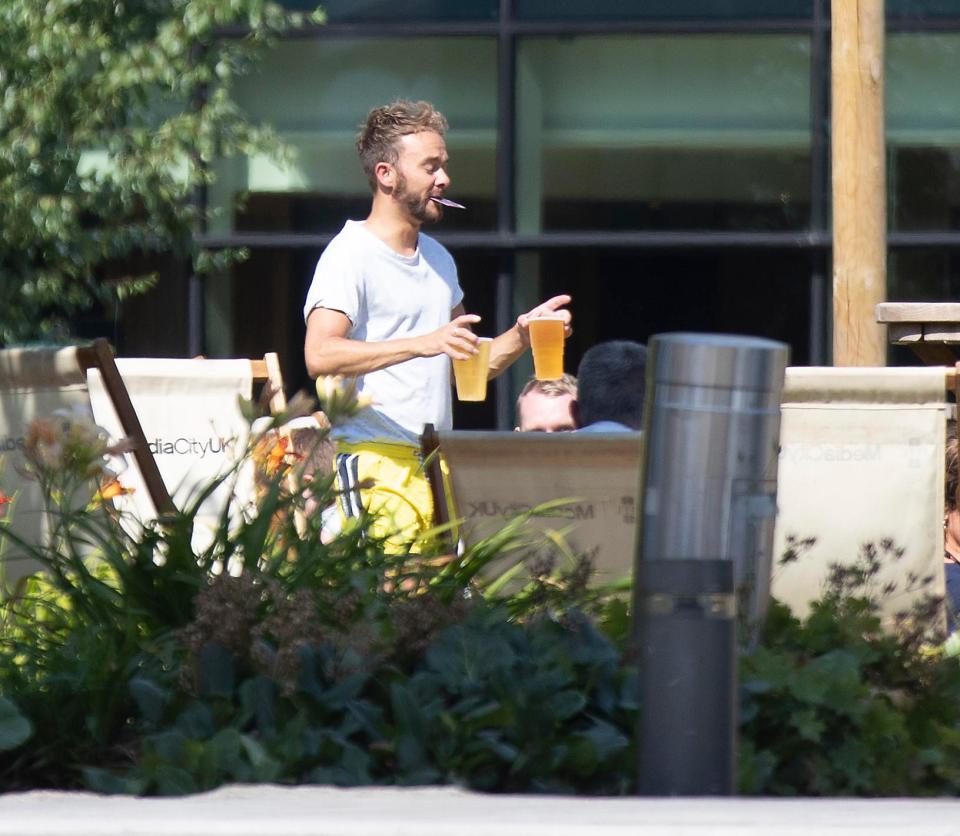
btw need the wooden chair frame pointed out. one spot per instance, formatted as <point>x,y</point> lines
<point>99,355</point>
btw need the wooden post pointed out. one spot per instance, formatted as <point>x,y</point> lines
<point>859,182</point>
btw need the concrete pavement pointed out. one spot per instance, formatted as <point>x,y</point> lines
<point>328,811</point>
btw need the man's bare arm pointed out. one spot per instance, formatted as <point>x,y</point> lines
<point>506,348</point>
<point>328,348</point>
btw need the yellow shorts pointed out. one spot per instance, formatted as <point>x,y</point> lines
<point>396,494</point>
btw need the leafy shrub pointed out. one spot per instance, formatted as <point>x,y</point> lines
<point>836,705</point>
<point>137,664</point>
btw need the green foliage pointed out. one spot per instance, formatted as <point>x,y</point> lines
<point>14,727</point>
<point>544,706</point>
<point>145,89</point>
<point>137,664</point>
<point>835,705</point>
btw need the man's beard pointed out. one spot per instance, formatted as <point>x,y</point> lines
<point>417,205</point>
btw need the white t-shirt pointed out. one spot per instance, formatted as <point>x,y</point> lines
<point>389,296</point>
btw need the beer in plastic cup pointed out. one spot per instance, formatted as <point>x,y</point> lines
<point>546,340</point>
<point>471,375</point>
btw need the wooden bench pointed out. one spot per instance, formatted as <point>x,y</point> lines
<point>931,329</point>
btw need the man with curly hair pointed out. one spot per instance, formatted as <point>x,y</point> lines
<point>385,307</point>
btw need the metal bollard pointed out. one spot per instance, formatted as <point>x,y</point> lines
<point>708,499</point>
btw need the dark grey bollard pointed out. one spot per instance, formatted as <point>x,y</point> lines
<point>708,505</point>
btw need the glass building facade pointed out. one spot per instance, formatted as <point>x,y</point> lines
<point>666,162</point>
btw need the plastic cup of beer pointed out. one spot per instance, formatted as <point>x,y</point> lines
<point>471,375</point>
<point>546,340</point>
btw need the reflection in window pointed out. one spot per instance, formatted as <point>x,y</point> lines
<point>923,131</point>
<point>662,9</point>
<point>921,9</point>
<point>317,92</point>
<point>402,11</point>
<point>655,132</point>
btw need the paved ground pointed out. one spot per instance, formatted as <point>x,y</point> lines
<point>324,811</point>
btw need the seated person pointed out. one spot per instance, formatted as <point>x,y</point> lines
<point>611,387</point>
<point>547,405</point>
<point>951,535</point>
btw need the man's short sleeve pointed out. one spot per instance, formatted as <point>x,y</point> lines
<point>337,284</point>
<point>457,292</point>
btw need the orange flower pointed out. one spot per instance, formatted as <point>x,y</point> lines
<point>273,454</point>
<point>111,490</point>
<point>276,457</point>
<point>4,502</point>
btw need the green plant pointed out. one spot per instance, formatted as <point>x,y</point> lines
<point>136,664</point>
<point>141,665</point>
<point>836,705</point>
<point>113,114</point>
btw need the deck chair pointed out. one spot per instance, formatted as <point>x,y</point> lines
<point>191,416</point>
<point>36,383</point>
<point>861,461</point>
<point>497,475</point>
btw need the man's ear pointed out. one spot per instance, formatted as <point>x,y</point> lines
<point>386,176</point>
<point>575,413</point>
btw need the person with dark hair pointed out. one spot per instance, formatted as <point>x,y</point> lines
<point>611,386</point>
<point>386,309</point>
<point>547,405</point>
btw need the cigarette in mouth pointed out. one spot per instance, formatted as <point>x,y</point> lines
<point>445,201</point>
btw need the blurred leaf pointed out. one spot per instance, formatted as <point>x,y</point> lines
<point>108,783</point>
<point>258,698</point>
<point>216,671</point>
<point>173,780</point>
<point>15,729</point>
<point>266,769</point>
<point>150,698</point>
<point>195,721</point>
<point>606,739</point>
<point>565,704</point>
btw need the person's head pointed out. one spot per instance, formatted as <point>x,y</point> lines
<point>404,156</point>
<point>611,384</point>
<point>547,405</point>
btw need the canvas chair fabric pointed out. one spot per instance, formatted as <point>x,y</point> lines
<point>496,475</point>
<point>40,383</point>
<point>861,461</point>
<point>190,411</point>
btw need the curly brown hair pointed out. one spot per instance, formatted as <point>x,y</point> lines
<point>377,140</point>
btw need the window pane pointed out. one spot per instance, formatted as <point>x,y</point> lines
<point>404,11</point>
<point>316,93</point>
<point>664,132</point>
<point>921,275</point>
<point>631,295</point>
<point>923,131</point>
<point>919,9</point>
<point>662,9</point>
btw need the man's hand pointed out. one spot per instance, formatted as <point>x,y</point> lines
<point>455,339</point>
<point>328,348</point>
<point>551,306</point>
